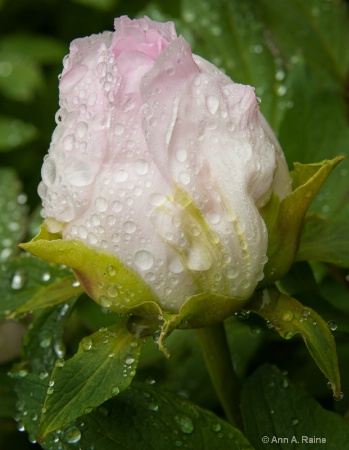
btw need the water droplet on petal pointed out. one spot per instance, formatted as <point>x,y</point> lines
<point>212,104</point>
<point>144,259</point>
<point>119,128</point>
<point>101,204</point>
<point>181,155</point>
<point>141,166</point>
<point>121,175</point>
<point>49,172</point>
<point>129,227</point>
<point>81,128</point>
<point>79,173</point>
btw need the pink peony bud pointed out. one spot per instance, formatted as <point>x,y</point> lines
<point>162,161</point>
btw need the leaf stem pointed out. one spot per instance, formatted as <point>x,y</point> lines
<point>215,349</point>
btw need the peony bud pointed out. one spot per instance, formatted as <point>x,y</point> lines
<point>162,163</point>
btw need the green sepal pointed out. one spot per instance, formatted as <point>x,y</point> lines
<point>102,276</point>
<point>289,317</point>
<point>200,311</point>
<point>284,219</point>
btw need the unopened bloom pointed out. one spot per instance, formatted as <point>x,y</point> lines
<point>162,161</point>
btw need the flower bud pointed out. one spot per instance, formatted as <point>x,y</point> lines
<point>161,162</point>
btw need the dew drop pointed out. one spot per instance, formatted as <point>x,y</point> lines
<point>170,71</point>
<point>86,344</point>
<point>184,178</point>
<point>129,227</point>
<point>280,75</point>
<point>288,335</point>
<point>45,276</point>
<point>185,423</point>
<point>48,171</point>
<point>81,128</point>
<point>281,90</point>
<point>333,326</point>
<point>144,260</point>
<point>339,398</point>
<point>121,175</point>
<point>72,435</point>
<point>153,406</point>
<point>141,166</point>
<point>119,128</point>
<point>212,104</point>
<point>45,339</point>
<point>287,316</point>
<point>129,359</point>
<point>105,301</point>
<point>181,155</point>
<point>216,427</point>
<point>101,204</point>
<point>59,362</point>
<point>115,390</point>
<point>284,383</point>
<point>111,271</point>
<point>18,280</point>
<point>230,272</point>
<point>242,315</point>
<point>79,173</point>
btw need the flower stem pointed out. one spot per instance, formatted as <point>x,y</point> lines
<point>215,349</point>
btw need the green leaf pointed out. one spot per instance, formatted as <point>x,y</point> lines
<point>316,128</point>
<point>325,240</point>
<point>103,366</point>
<point>272,406</point>
<point>308,29</point>
<point>284,219</point>
<point>14,133</point>
<point>58,292</point>
<point>12,217</point>
<point>148,418</point>
<point>289,317</point>
<point>28,283</point>
<point>43,347</point>
<point>7,393</point>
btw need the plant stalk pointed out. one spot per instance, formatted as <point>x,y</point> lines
<point>215,349</point>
